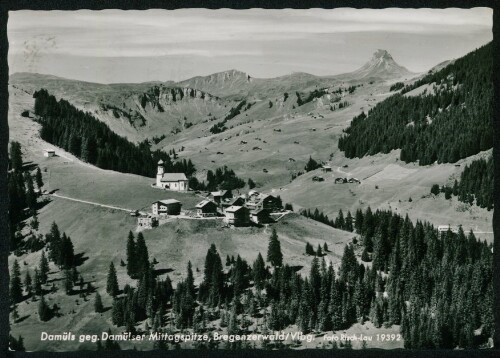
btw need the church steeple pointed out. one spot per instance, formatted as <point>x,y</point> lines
<point>161,169</point>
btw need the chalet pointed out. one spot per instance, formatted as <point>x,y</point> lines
<point>206,208</point>
<point>354,180</point>
<point>237,216</point>
<point>221,195</point>
<point>260,216</point>
<point>147,222</point>
<point>169,207</point>
<point>340,180</point>
<point>326,168</point>
<point>238,201</point>
<point>171,181</point>
<point>49,153</point>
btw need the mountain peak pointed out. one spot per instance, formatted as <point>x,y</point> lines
<point>382,54</point>
<point>382,66</point>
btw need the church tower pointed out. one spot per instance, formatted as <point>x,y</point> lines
<point>159,173</point>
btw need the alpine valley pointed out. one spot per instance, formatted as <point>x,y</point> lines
<point>383,182</point>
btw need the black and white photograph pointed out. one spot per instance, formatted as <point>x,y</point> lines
<point>259,179</point>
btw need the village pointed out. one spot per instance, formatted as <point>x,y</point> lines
<point>252,208</point>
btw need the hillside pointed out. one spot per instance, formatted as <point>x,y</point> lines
<point>172,244</point>
<point>450,122</point>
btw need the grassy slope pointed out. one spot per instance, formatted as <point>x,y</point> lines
<point>100,235</point>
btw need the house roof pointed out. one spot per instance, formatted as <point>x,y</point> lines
<point>204,203</point>
<point>234,208</point>
<point>49,150</point>
<point>219,193</point>
<point>173,177</point>
<point>160,162</point>
<point>167,201</point>
<point>235,200</point>
<point>259,211</point>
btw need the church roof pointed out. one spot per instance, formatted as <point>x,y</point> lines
<point>160,162</point>
<point>167,201</point>
<point>173,177</point>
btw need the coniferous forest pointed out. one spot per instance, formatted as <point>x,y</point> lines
<point>436,286</point>
<point>449,121</point>
<point>475,185</point>
<point>92,141</point>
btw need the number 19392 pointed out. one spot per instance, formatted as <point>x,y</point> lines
<point>388,337</point>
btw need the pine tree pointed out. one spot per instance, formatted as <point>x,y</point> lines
<point>43,310</point>
<point>112,281</point>
<point>16,287</point>
<point>38,178</point>
<point>44,268</point>
<point>259,272</point>
<point>98,307</point>
<point>274,255</point>
<point>37,283</point>
<point>142,255</point>
<point>310,249</point>
<point>16,158</point>
<point>190,279</point>
<point>28,283</point>
<point>131,256</point>
<point>319,252</point>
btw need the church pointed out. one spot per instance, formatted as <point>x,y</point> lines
<point>171,181</point>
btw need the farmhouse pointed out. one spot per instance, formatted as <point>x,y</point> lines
<point>340,180</point>
<point>354,180</point>
<point>206,208</point>
<point>172,181</point>
<point>237,216</point>
<point>263,201</point>
<point>260,216</point>
<point>238,201</point>
<point>326,168</point>
<point>147,222</point>
<point>169,207</point>
<point>49,153</point>
<point>219,196</point>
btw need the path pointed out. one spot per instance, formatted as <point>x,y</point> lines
<point>92,203</point>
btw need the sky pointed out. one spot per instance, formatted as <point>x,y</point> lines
<point>113,46</point>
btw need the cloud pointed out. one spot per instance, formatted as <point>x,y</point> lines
<point>116,33</point>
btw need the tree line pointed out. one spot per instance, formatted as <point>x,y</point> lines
<point>475,185</point>
<point>91,140</point>
<point>451,122</point>
<point>23,201</point>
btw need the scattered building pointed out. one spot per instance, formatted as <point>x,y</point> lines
<point>147,222</point>
<point>260,216</point>
<point>354,180</point>
<point>237,216</point>
<point>340,180</point>
<point>326,168</point>
<point>169,207</point>
<point>171,181</point>
<point>49,153</point>
<point>238,201</point>
<point>219,196</point>
<point>206,208</point>
<point>263,201</point>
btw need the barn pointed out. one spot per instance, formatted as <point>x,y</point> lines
<point>49,153</point>
<point>169,207</point>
